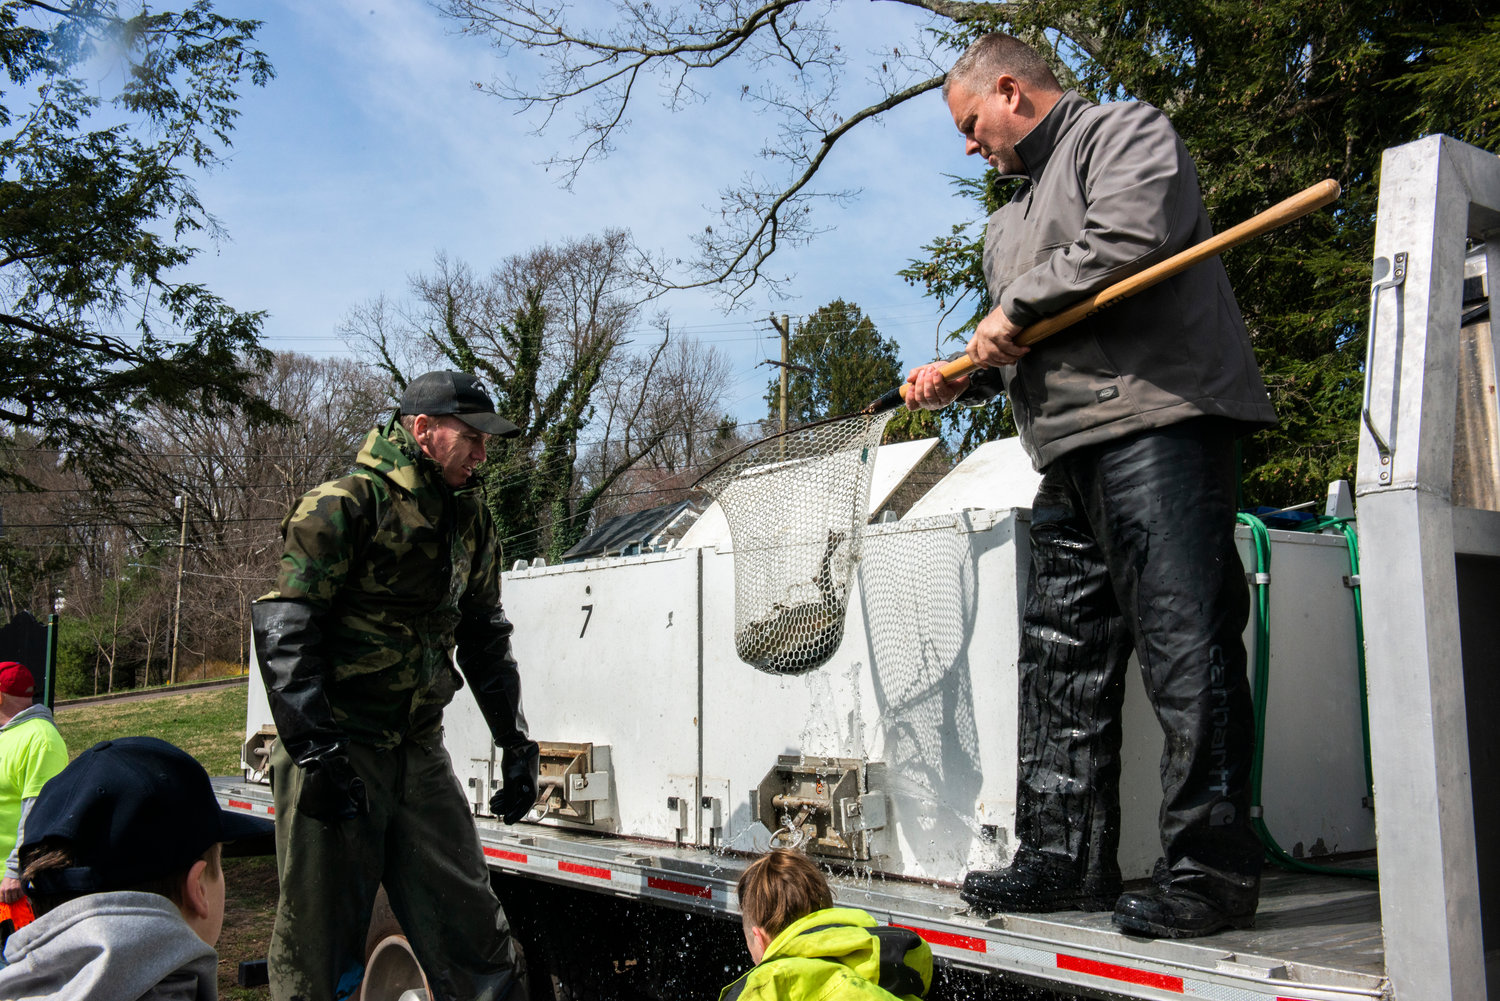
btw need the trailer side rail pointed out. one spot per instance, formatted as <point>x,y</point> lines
<point>1079,952</point>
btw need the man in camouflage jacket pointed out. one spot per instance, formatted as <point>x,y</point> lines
<point>385,572</point>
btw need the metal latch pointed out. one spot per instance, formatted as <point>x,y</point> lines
<point>712,800</point>
<point>823,805</point>
<point>571,786</point>
<point>482,784</point>
<point>255,755</point>
<point>678,805</point>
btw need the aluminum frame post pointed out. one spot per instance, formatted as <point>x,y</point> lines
<point>1433,194</point>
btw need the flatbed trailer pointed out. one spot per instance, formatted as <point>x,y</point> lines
<point>664,755</point>
<point>1317,938</point>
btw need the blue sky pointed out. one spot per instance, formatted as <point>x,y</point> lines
<point>372,151</point>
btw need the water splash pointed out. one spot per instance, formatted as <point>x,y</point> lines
<point>790,834</point>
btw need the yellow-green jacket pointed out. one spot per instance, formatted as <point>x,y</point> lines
<point>838,953</point>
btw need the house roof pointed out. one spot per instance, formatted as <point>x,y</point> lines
<point>618,534</point>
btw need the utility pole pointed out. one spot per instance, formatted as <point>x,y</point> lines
<point>784,327</point>
<point>177,607</point>
<point>786,359</point>
<point>10,595</point>
<point>114,636</point>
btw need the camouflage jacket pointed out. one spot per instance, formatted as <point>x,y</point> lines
<point>396,565</point>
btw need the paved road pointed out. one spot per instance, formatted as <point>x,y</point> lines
<point>150,693</point>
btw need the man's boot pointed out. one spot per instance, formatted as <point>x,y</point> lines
<point>1038,882</point>
<point>1185,905</point>
<point>1165,912</point>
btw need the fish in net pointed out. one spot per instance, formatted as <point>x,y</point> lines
<point>796,504</point>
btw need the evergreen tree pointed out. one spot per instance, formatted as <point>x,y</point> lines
<point>96,200</point>
<point>839,362</point>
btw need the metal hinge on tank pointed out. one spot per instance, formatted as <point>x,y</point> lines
<point>823,805</point>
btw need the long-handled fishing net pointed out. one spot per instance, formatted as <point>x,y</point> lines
<point>796,502</point>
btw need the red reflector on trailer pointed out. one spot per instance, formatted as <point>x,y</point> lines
<point>686,889</point>
<point>501,853</point>
<point>239,804</point>
<point>585,870</point>
<point>1126,974</point>
<point>949,939</point>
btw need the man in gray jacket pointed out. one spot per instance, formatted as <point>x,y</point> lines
<point>1131,415</point>
<point>121,863</point>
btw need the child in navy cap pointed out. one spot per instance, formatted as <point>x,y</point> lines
<point>121,862</point>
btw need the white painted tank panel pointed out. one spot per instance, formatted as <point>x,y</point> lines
<point>609,655</point>
<point>924,687</point>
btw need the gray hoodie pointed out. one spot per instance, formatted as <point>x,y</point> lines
<point>110,947</point>
<point>30,712</point>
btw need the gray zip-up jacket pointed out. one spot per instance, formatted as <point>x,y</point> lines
<point>123,946</point>
<point>1113,190</point>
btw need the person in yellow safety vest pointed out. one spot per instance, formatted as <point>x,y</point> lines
<point>31,752</point>
<point>804,948</point>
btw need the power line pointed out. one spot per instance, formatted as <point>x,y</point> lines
<point>268,519</point>
<point>530,472</point>
<point>707,429</point>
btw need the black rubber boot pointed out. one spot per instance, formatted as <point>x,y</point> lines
<point>1038,882</point>
<point>1165,912</point>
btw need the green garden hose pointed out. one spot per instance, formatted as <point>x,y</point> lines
<point>1261,538</point>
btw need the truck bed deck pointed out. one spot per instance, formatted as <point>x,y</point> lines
<point>1316,937</point>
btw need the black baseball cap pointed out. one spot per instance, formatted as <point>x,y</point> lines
<point>129,811</point>
<point>459,394</point>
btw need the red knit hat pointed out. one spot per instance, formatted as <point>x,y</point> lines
<point>16,680</point>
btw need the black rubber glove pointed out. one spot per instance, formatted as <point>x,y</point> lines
<point>485,659</point>
<point>289,646</point>
<point>520,768</point>
<point>331,789</point>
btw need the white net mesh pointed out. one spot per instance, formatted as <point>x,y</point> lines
<point>796,504</point>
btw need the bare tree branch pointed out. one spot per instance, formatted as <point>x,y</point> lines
<point>745,256</point>
<point>597,70</point>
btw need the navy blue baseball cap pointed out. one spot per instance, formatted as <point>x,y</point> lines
<point>458,394</point>
<point>129,811</point>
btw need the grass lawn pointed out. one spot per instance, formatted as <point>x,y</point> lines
<point>208,723</point>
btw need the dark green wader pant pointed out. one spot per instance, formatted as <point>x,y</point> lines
<point>419,841</point>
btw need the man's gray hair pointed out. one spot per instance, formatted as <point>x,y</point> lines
<point>991,55</point>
